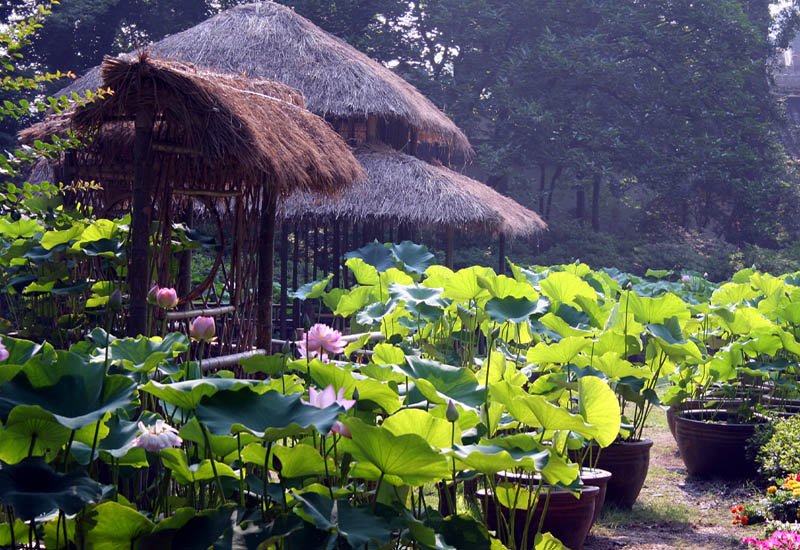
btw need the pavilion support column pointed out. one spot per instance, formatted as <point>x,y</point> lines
<point>502,255</point>
<point>451,237</point>
<point>336,264</point>
<point>266,274</point>
<point>284,309</point>
<point>138,263</point>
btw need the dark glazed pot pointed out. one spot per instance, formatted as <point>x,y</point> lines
<point>597,478</point>
<point>567,518</point>
<point>713,448</point>
<point>628,463</point>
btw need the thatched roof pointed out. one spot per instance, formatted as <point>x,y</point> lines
<point>270,41</point>
<point>212,129</point>
<point>405,189</point>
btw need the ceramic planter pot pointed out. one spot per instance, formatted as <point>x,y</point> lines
<point>568,518</point>
<point>712,404</point>
<point>711,447</point>
<point>628,463</point>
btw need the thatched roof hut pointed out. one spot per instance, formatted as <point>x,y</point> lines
<point>270,41</point>
<point>224,131</point>
<point>169,128</point>
<point>401,188</point>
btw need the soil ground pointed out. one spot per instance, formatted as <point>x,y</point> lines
<point>674,510</point>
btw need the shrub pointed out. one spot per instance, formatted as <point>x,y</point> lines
<point>778,457</point>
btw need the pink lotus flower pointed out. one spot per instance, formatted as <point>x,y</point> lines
<point>158,436</point>
<point>342,430</point>
<point>3,351</point>
<point>327,397</point>
<point>167,298</point>
<point>320,341</point>
<point>202,329</point>
<point>685,278</point>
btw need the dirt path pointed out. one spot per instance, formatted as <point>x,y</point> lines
<point>674,510</point>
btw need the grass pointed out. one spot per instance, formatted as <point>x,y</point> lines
<point>644,513</point>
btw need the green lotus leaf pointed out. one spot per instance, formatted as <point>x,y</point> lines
<point>563,288</point>
<point>113,526</point>
<point>20,530</point>
<point>188,529</point>
<point>404,459</point>
<point>546,541</point>
<point>462,286</point>
<point>272,365</point>
<point>457,383</point>
<point>221,445</point>
<point>53,238</point>
<point>326,374</point>
<point>20,351</point>
<point>355,300</point>
<point>413,257</point>
<point>598,405</point>
<point>185,473</point>
<point>489,459</point>
<point>312,290</point>
<point>32,488</point>
<point>655,310</point>
<point>733,293</point>
<point>416,294</point>
<point>240,410</point>
<point>501,286</point>
<point>188,393</point>
<point>561,352</point>
<point>104,248</point>
<point>387,354</point>
<point>301,461</point>
<point>19,228</point>
<point>357,525</point>
<point>374,254</point>
<point>375,312</point>
<point>76,392</point>
<point>143,354</point>
<point>436,431</point>
<point>516,310</point>
<point>669,338</point>
<point>26,424</point>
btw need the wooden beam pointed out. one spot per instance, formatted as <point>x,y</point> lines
<point>502,254</point>
<point>206,312</point>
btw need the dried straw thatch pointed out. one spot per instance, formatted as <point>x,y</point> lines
<point>270,41</point>
<point>402,188</point>
<point>217,131</point>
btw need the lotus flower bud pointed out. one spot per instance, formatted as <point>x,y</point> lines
<point>3,352</point>
<point>356,395</point>
<point>115,300</point>
<point>167,298</point>
<point>151,295</point>
<point>202,329</point>
<point>686,278</point>
<point>451,413</point>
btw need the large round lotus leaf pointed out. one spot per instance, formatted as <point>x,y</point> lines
<point>414,257</point>
<point>32,488</point>
<point>402,460</point>
<point>113,526</point>
<point>76,392</point>
<point>516,310</point>
<point>20,351</point>
<point>185,473</point>
<point>436,431</point>
<point>374,254</point>
<point>598,405</point>
<point>188,529</point>
<point>417,294</point>
<point>434,378</point>
<point>188,393</point>
<point>312,290</point>
<point>144,354</point>
<point>234,411</point>
<point>26,425</point>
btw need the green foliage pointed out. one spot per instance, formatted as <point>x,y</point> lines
<point>777,456</point>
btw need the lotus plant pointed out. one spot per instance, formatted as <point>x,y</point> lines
<point>319,341</point>
<point>158,436</point>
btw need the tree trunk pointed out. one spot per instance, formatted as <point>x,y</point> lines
<point>580,203</point>
<point>596,203</point>
<point>553,179</point>
<point>542,183</point>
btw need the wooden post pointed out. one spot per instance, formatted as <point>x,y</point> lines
<point>502,267</point>
<point>336,264</point>
<point>372,128</point>
<point>306,255</point>
<point>316,252</point>
<point>266,259</point>
<point>448,261</point>
<point>138,264</point>
<point>185,269</point>
<point>284,313</point>
<point>295,267</point>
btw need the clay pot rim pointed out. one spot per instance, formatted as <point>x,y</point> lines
<point>624,443</point>
<point>681,415</point>
<point>554,490</point>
